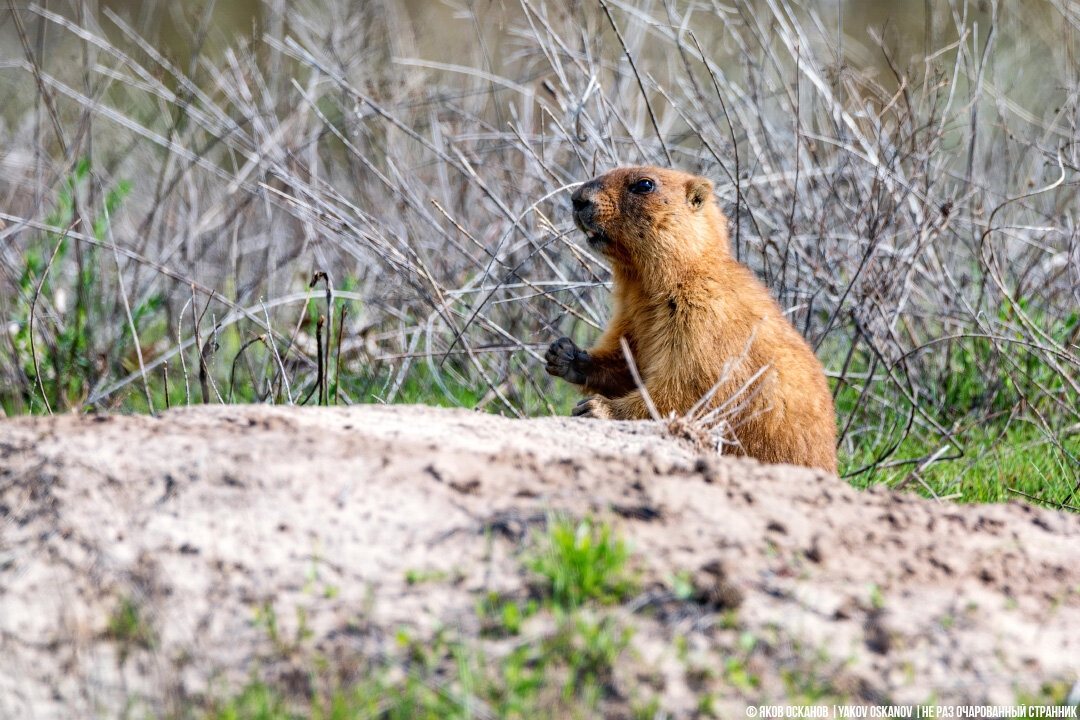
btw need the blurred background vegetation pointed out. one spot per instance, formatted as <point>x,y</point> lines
<point>321,201</point>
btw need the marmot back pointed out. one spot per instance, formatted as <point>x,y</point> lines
<point>693,317</point>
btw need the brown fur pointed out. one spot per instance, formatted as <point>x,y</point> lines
<point>687,309</point>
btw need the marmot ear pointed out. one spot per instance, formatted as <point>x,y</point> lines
<point>698,192</point>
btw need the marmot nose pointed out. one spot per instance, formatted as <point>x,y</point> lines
<point>579,200</point>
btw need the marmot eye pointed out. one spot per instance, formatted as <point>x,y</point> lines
<point>642,187</point>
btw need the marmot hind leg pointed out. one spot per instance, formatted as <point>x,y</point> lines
<point>627,407</point>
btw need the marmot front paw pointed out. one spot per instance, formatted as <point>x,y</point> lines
<point>567,361</point>
<point>597,406</point>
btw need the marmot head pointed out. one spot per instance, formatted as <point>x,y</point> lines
<point>644,216</point>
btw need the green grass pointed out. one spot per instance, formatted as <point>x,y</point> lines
<point>564,672</point>
<point>578,561</point>
<point>978,433</point>
<point>993,457</point>
<point>58,366</point>
<point>561,651</point>
<point>562,676</point>
<point>129,628</point>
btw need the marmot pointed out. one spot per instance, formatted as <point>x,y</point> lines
<point>691,314</point>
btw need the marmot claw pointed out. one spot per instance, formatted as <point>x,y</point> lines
<point>567,361</point>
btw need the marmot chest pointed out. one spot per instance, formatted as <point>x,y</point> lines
<point>665,328</point>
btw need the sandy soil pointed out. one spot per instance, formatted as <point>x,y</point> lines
<point>205,515</point>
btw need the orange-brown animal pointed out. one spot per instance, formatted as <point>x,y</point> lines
<point>687,309</point>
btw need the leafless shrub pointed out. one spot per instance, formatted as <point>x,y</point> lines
<point>919,220</point>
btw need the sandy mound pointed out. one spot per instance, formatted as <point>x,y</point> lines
<point>205,515</point>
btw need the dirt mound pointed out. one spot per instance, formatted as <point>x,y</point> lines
<point>204,517</point>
